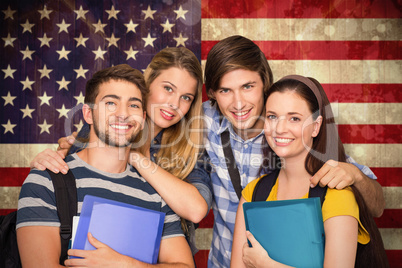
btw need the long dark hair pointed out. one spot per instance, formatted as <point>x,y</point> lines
<point>327,145</point>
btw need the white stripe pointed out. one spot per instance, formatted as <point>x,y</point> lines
<point>118,188</point>
<point>372,155</point>
<point>20,155</point>
<point>203,238</point>
<point>376,155</point>
<point>27,202</point>
<point>9,197</point>
<point>302,29</point>
<point>393,197</point>
<point>340,71</point>
<point>367,113</point>
<point>391,238</point>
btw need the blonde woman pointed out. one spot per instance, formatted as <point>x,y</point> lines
<point>171,141</point>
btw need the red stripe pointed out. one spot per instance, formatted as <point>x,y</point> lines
<point>300,9</point>
<point>363,93</point>
<point>323,50</point>
<point>394,258</point>
<point>201,258</point>
<point>370,133</point>
<point>13,176</point>
<point>391,218</point>
<point>6,211</point>
<point>208,221</point>
<point>389,177</point>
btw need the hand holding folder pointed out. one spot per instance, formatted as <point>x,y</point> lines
<point>128,229</point>
<point>291,231</point>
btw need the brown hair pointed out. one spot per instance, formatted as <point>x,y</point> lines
<point>233,53</point>
<point>327,145</point>
<point>121,72</point>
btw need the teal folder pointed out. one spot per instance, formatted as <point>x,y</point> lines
<point>128,229</point>
<point>291,231</point>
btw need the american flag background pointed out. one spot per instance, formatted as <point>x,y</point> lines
<point>49,49</point>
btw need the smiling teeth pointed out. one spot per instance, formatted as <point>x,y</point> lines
<point>281,140</point>
<point>241,114</point>
<point>166,113</point>
<point>120,126</point>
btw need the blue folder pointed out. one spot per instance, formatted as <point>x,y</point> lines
<point>128,229</point>
<point>291,231</point>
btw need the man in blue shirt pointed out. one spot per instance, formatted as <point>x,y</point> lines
<point>237,76</point>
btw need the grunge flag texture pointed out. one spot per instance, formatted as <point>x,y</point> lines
<point>49,49</point>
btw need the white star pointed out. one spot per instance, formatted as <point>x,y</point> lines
<point>131,53</point>
<point>9,40</point>
<point>149,13</point>
<point>81,13</point>
<point>112,40</point>
<point>63,83</point>
<point>27,53</point>
<point>63,53</point>
<point>9,72</point>
<point>149,40</point>
<point>44,41</point>
<point>80,98</point>
<point>180,13</point>
<point>27,112</point>
<point>78,126</point>
<point>99,53</point>
<point>45,13</point>
<point>44,127</point>
<point>63,26</point>
<point>9,127</point>
<point>27,26</point>
<point>9,13</point>
<point>167,26</point>
<point>81,40</point>
<point>9,99</point>
<point>180,40</point>
<point>63,112</point>
<point>81,72</point>
<point>27,84</point>
<point>99,26</point>
<point>131,26</point>
<point>112,13</point>
<point>45,99</point>
<point>45,72</point>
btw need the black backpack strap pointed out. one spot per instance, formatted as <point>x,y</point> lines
<point>231,163</point>
<point>65,191</point>
<point>264,186</point>
<point>318,191</point>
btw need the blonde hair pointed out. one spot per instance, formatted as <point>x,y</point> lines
<point>187,135</point>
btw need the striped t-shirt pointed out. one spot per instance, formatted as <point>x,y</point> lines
<point>37,203</point>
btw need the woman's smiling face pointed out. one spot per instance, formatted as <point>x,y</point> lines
<point>170,98</point>
<point>289,126</point>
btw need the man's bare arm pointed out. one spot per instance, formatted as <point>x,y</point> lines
<point>39,246</point>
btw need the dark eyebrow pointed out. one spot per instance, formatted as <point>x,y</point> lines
<point>135,99</point>
<point>245,84</point>
<point>118,98</point>
<point>111,96</point>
